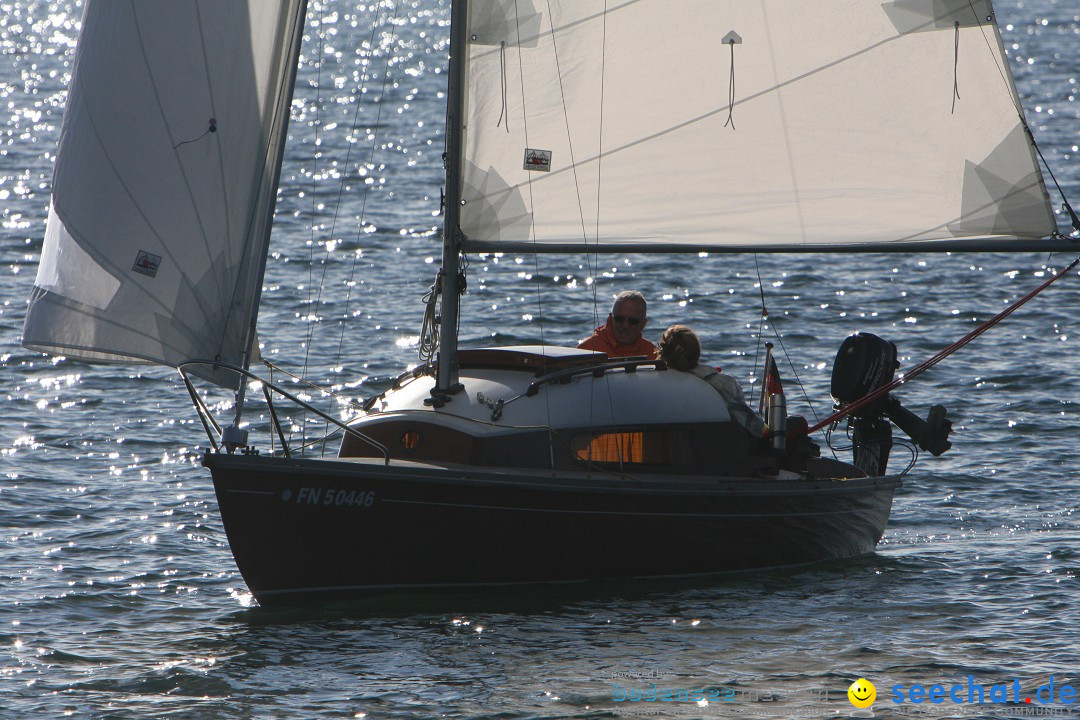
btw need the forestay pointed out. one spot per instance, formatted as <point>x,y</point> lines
<point>608,124</point>
<point>165,180</point>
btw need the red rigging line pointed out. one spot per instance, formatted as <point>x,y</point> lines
<point>941,355</point>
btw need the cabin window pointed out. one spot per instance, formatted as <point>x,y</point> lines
<point>639,447</point>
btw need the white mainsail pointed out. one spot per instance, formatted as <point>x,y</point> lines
<point>165,181</point>
<point>607,123</point>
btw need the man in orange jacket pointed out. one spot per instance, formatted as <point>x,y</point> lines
<point>621,335</point>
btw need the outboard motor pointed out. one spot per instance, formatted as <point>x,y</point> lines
<point>866,363</point>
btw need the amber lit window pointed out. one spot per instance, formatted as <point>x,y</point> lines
<point>649,447</point>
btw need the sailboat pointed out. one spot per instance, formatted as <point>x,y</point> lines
<point>595,126</point>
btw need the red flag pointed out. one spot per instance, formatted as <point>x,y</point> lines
<point>772,379</point>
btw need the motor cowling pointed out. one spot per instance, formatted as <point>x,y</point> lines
<point>863,364</point>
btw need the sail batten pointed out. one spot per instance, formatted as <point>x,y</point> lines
<point>844,130</point>
<point>165,182</point>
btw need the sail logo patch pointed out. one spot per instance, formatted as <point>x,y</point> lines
<point>147,263</point>
<point>539,160</point>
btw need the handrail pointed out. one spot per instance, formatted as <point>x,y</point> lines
<point>182,369</point>
<point>630,364</point>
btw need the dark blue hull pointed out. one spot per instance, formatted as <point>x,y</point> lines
<point>298,527</point>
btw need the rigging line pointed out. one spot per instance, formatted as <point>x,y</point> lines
<point>532,207</point>
<point>1001,72</point>
<point>791,364</point>
<point>1010,87</point>
<point>569,135</point>
<point>314,313</point>
<point>367,187</point>
<point>942,354</point>
<point>1064,200</point>
<point>573,165</point>
<point>307,383</point>
<point>593,259</point>
<point>783,348</point>
<point>532,229</point>
<point>761,329</point>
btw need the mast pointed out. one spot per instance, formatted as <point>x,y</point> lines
<point>450,279</point>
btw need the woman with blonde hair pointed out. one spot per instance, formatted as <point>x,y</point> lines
<point>681,350</point>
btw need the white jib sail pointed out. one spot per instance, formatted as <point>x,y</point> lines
<point>165,181</point>
<point>604,122</point>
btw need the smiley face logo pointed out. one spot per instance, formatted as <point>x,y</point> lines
<point>862,693</point>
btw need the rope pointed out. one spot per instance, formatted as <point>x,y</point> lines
<point>731,89</point>
<point>429,330</point>
<point>941,355</point>
<point>211,129</point>
<point>503,115</point>
<point>955,67</point>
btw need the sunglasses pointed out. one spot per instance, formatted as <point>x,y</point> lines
<point>626,319</point>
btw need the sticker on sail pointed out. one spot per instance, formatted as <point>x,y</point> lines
<point>147,263</point>
<point>539,160</point>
